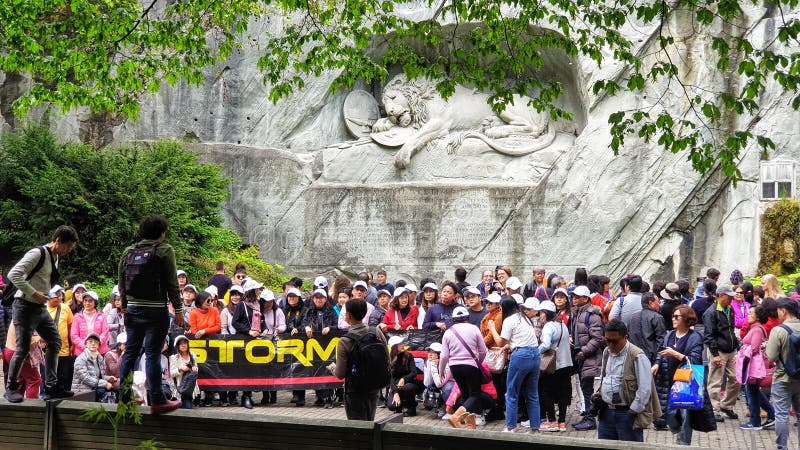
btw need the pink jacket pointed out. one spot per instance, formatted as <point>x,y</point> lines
<point>740,312</point>
<point>80,329</point>
<point>454,353</point>
<point>455,393</point>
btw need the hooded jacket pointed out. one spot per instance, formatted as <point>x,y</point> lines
<point>589,340</point>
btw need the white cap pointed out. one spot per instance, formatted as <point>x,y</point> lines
<point>561,291</point>
<point>122,338</point>
<point>513,283</point>
<point>360,284</point>
<point>180,272</point>
<point>473,290</point>
<point>436,347</point>
<point>431,286</point>
<point>494,297</point>
<point>79,286</point>
<point>180,338</point>
<point>531,303</point>
<point>321,292</point>
<point>411,288</point>
<point>460,312</point>
<point>212,290</point>
<point>93,295</point>
<point>394,340</point>
<point>581,291</point>
<point>236,288</point>
<point>518,298</point>
<point>399,291</point>
<point>294,291</point>
<point>320,282</point>
<point>251,285</point>
<point>267,295</point>
<point>54,291</point>
<point>546,305</point>
<point>115,291</point>
<point>385,292</point>
<point>190,287</point>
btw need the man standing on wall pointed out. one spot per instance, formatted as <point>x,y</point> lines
<point>34,275</point>
<point>147,279</point>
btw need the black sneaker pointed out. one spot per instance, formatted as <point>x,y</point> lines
<point>730,413</point>
<point>13,395</point>
<point>57,393</point>
<point>719,418</point>
<point>747,426</point>
<point>328,403</point>
<point>588,423</point>
<point>768,425</point>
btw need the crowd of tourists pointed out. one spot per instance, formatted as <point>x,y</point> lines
<point>510,351</point>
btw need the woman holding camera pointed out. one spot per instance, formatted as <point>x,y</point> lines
<point>681,346</point>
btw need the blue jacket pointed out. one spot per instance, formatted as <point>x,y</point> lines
<point>439,313</point>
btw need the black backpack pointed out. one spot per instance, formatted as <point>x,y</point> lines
<point>792,366</point>
<point>370,362</point>
<point>10,290</point>
<point>140,272</point>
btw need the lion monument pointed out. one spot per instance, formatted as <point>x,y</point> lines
<point>417,115</point>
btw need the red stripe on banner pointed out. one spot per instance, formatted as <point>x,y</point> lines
<point>266,381</point>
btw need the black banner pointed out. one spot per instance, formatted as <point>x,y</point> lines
<point>238,362</point>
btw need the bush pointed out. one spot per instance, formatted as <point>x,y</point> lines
<point>780,238</point>
<point>103,194</point>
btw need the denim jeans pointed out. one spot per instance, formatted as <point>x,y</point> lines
<point>617,425</point>
<point>680,424</point>
<point>147,329</point>
<point>30,317</point>
<point>784,397</point>
<point>523,372</point>
<point>756,401</point>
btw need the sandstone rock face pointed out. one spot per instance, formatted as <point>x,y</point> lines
<point>318,198</point>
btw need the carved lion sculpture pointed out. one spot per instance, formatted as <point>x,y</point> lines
<point>467,114</point>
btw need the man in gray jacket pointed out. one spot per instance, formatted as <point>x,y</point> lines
<point>34,275</point>
<point>626,307</point>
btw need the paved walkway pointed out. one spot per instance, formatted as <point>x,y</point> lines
<point>727,436</point>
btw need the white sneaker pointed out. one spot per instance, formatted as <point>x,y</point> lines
<point>507,430</point>
<point>480,421</point>
<point>446,416</point>
<point>526,424</point>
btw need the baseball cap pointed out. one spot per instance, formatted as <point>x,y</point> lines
<point>122,338</point>
<point>430,286</point>
<point>212,290</point>
<point>436,347</point>
<point>93,295</point>
<point>360,284</point>
<point>267,295</point>
<point>518,298</point>
<point>321,292</point>
<point>561,291</point>
<point>399,291</point>
<point>251,284</point>
<point>180,272</point>
<point>581,291</point>
<point>54,291</point>
<point>294,291</point>
<point>92,336</point>
<point>494,297</point>
<point>190,287</point>
<point>531,303</point>
<point>460,312</point>
<point>513,283</point>
<point>115,291</point>
<point>671,292</point>
<point>79,286</point>
<point>394,340</point>
<point>179,339</point>
<point>725,290</point>
<point>411,288</point>
<point>236,288</point>
<point>472,290</point>
<point>320,282</point>
<point>546,305</point>
<point>384,292</point>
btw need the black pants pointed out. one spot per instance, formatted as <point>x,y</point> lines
<point>64,373</point>
<point>556,389</point>
<point>468,379</point>
<point>587,388</point>
<point>361,405</point>
<point>408,394</point>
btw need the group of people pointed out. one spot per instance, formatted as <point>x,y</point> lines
<point>510,350</point>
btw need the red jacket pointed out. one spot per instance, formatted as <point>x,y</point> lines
<point>410,320</point>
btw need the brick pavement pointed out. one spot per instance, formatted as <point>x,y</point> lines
<point>727,436</point>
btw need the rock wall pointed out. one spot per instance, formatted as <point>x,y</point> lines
<point>318,200</point>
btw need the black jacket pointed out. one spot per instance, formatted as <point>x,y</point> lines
<point>404,368</point>
<point>318,319</point>
<point>294,316</point>
<point>242,319</point>
<point>719,334</point>
<point>647,331</point>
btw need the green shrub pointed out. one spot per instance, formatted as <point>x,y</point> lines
<point>780,238</point>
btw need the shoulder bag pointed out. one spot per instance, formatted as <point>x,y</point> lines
<point>486,376</point>
<point>548,364</point>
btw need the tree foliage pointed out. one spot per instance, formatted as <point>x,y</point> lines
<point>103,54</point>
<point>103,194</point>
<point>780,238</point>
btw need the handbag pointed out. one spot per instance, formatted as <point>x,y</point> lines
<point>683,374</point>
<point>432,398</point>
<point>188,383</point>
<point>496,360</point>
<point>549,358</point>
<point>486,376</point>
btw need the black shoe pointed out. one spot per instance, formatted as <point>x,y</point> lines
<point>768,425</point>
<point>273,396</point>
<point>300,403</point>
<point>328,403</point>
<point>730,413</point>
<point>57,393</point>
<point>410,412</point>
<point>264,400</point>
<point>217,399</point>
<point>247,402</point>
<point>13,395</point>
<point>294,399</point>
<point>719,418</point>
<point>588,423</point>
<point>319,401</point>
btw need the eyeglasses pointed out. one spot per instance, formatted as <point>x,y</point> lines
<point>210,300</point>
<point>612,341</point>
<point>676,316</point>
<point>738,293</point>
<point>241,277</point>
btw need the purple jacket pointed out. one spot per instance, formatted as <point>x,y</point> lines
<point>453,352</point>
